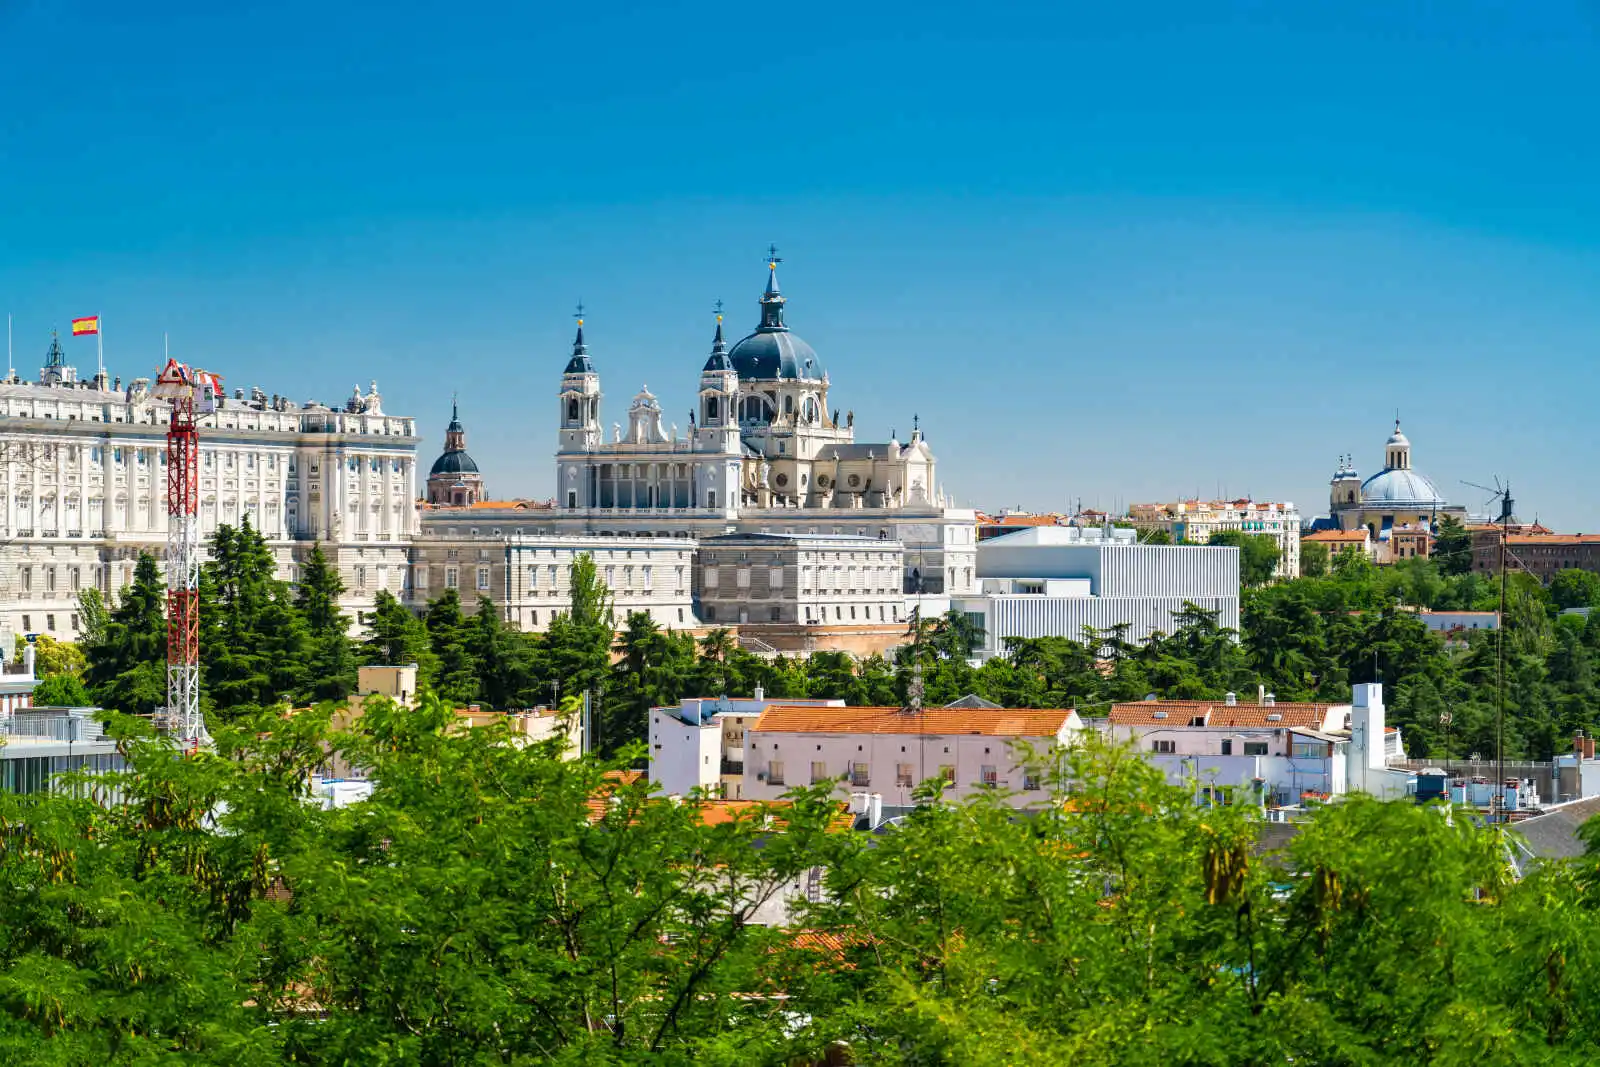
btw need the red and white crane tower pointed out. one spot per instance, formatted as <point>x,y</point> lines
<point>191,392</point>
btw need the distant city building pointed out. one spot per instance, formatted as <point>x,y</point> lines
<point>699,743</point>
<point>454,479</point>
<point>1054,581</point>
<point>492,549</point>
<point>890,751</point>
<point>83,487</point>
<point>1398,496</point>
<point>801,592</point>
<point>1543,555</point>
<point>1197,520</point>
<point>1337,541</point>
<point>1280,751</point>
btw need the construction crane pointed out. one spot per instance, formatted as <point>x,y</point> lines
<point>191,393</point>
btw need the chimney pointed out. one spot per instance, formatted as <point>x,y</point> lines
<point>1261,694</point>
<point>1230,699</point>
<point>1270,700</point>
<point>761,694</point>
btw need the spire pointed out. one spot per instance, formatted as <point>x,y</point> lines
<point>455,436</point>
<point>719,348</point>
<point>55,357</point>
<point>579,363</point>
<point>772,300</point>
<point>455,415</point>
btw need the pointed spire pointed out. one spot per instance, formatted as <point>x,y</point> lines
<point>55,357</point>
<point>579,363</point>
<point>772,299</point>
<point>455,414</point>
<point>719,348</point>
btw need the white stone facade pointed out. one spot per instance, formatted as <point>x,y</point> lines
<point>83,489</point>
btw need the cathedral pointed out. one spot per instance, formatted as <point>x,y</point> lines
<point>762,437</point>
<point>1398,497</point>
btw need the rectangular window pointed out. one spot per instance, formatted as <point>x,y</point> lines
<point>361,577</point>
<point>1227,746</point>
<point>533,576</point>
<point>77,578</point>
<point>741,577</point>
<point>775,772</point>
<point>712,578</point>
<point>645,574</point>
<point>948,773</point>
<point>551,575</point>
<point>989,776</point>
<point>859,775</point>
<point>775,614</point>
<point>483,578</point>
<point>902,775</point>
<point>1167,747</point>
<point>27,623</point>
<point>1030,780</point>
<point>27,584</point>
<point>449,577</point>
<point>775,578</point>
<point>819,771</point>
<point>1255,748</point>
<point>50,623</point>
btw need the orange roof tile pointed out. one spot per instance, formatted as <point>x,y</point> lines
<point>1553,539</point>
<point>1005,722</point>
<point>1217,713</point>
<point>1336,536</point>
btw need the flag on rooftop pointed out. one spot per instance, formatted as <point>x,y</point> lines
<point>85,326</point>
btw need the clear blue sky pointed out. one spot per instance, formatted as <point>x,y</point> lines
<point>1110,251</point>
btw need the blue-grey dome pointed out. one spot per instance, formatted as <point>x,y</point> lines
<point>768,354</point>
<point>454,463</point>
<point>772,351</point>
<point>1406,487</point>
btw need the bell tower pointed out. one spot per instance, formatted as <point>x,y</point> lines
<point>719,399</point>
<point>580,400</point>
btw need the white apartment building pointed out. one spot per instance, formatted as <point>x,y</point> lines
<point>699,744</point>
<point>83,487</point>
<point>800,579</point>
<point>528,576</point>
<point>1197,520</point>
<point>889,751</point>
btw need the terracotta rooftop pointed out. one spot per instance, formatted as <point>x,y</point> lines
<point>503,505</point>
<point>1336,536</point>
<point>1217,713</point>
<point>1008,722</point>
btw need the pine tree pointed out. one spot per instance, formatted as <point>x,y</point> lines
<point>254,648</point>
<point>504,680</point>
<point>331,667</point>
<point>396,637</point>
<point>448,636</point>
<point>128,653</point>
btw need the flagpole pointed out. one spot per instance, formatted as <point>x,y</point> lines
<point>100,343</point>
<point>11,367</point>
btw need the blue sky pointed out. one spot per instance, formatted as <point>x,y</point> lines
<point>1110,252</point>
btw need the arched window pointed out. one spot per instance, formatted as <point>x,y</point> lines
<point>788,405</point>
<point>572,410</point>
<point>711,408</point>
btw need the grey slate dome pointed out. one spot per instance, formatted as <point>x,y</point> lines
<point>772,351</point>
<point>579,363</point>
<point>454,463</point>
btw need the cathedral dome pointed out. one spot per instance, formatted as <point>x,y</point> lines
<point>454,463</point>
<point>1405,487</point>
<point>768,354</point>
<point>772,351</point>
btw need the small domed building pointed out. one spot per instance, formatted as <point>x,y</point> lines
<point>454,480</point>
<point>1398,497</point>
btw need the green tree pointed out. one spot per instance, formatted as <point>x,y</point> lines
<point>127,657</point>
<point>53,657</point>
<point>254,646</point>
<point>61,690</point>
<point>449,638</point>
<point>1452,547</point>
<point>331,665</point>
<point>1313,559</point>
<point>1258,554</point>
<point>1574,588</point>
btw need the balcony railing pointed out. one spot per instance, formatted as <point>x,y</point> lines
<point>730,767</point>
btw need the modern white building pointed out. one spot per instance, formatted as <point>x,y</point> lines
<point>1197,520</point>
<point>890,751</point>
<point>1277,751</point>
<point>699,744</point>
<point>1055,581</point>
<point>83,487</point>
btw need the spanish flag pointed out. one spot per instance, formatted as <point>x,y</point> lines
<point>83,327</point>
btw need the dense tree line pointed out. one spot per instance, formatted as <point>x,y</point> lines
<point>495,904</point>
<point>264,643</point>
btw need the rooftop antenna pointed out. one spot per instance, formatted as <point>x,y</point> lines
<point>1496,798</point>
